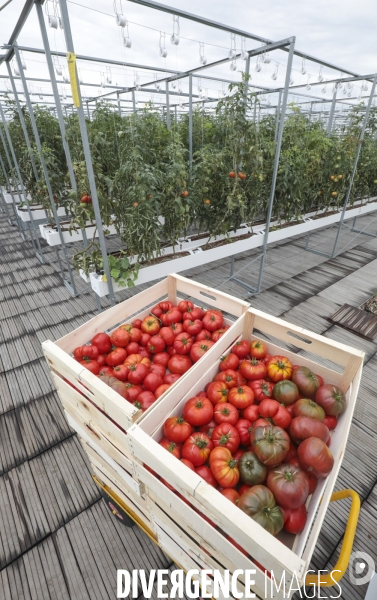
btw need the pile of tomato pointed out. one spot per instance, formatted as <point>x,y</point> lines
<point>142,359</point>
<point>260,434</point>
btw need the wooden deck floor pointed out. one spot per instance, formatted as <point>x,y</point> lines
<point>57,538</point>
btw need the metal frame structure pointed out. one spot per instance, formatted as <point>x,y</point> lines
<point>167,76</point>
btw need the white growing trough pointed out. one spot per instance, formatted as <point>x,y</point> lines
<point>38,212</point>
<point>52,237</point>
<point>197,256</point>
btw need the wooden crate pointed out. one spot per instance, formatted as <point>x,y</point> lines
<point>65,368</point>
<point>292,557</point>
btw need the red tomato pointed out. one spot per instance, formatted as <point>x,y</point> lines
<point>133,391</point>
<point>198,411</point>
<point>241,349</point>
<point>137,323</point>
<point>312,479</point>
<point>225,413</point>
<point>145,400</point>
<point>171,351</point>
<point>241,397</point>
<point>120,372</point>
<point>91,365</point>
<point>156,344</point>
<point>258,349</point>
<point>188,464</point>
<point>289,485</point>
<point>212,320</point>
<point>251,413</point>
<point>172,447</point>
<point>116,357</point>
<point>184,305</point>
<point>332,399</point>
<point>179,363</point>
<point>231,494</point>
<point>152,381</point>
<point>224,467</point>
<point>217,392</point>
<point>229,377</point>
<point>192,327</point>
<point>294,519</point>
<point>227,436</point>
<point>156,311</point>
<point>219,333</point>
<point>241,380</point>
<point>158,370</point>
<point>243,427</point>
<point>262,389</point>
<point>105,370</point>
<point>173,315</point>
<point>161,358</point>
<point>331,422</point>
<point>103,342</point>
<point>176,429</point>
<point>101,359</point>
<point>315,457</point>
<point>137,373</point>
<point>203,335</point>
<point>150,325</point>
<point>176,328</point>
<point>134,333</point>
<point>197,448</point>
<point>144,352</point>
<point>86,352</point>
<point>206,474</point>
<point>171,378</point>
<point>238,453</point>
<point>270,444</point>
<point>230,361</point>
<point>133,347</point>
<point>166,305</point>
<point>302,428</point>
<point>306,381</point>
<point>208,427</point>
<point>199,349</point>
<point>253,369</point>
<point>243,488</point>
<point>275,413</point>
<point>167,335</point>
<point>292,452</point>
<point>320,379</point>
<point>183,343</point>
<point>202,395</point>
<point>193,314</point>
<point>120,338</point>
<point>161,389</point>
<point>144,339</point>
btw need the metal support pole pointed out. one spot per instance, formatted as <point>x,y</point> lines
<point>190,122</point>
<point>118,100</point>
<point>70,285</point>
<point>175,114</point>
<point>59,111</point>
<point>168,124</point>
<point>88,110</point>
<point>277,116</point>
<point>276,161</point>
<point>310,111</point>
<point>9,188</point>
<point>86,147</point>
<point>360,142</point>
<point>6,210</point>
<point>247,71</point>
<point>332,110</point>
<point>35,242</point>
<point>134,102</point>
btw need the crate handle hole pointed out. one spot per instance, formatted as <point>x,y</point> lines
<point>208,296</point>
<point>298,337</point>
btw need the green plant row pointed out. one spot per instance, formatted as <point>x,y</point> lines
<point>142,171</point>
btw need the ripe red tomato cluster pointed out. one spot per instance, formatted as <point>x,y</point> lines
<point>259,433</point>
<point>142,359</point>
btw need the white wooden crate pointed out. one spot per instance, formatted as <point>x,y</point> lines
<point>269,551</point>
<point>66,369</point>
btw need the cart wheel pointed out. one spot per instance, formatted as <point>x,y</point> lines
<point>117,511</point>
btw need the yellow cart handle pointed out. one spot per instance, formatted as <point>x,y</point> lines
<point>341,566</point>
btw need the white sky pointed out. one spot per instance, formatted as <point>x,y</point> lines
<point>340,31</point>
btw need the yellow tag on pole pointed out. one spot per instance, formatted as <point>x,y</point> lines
<point>71,59</point>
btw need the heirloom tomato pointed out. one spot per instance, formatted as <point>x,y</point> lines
<point>106,370</point>
<point>172,447</point>
<point>224,467</point>
<point>253,369</point>
<point>278,368</point>
<point>198,411</point>
<point>259,504</point>
<point>285,392</point>
<point>116,385</point>
<point>150,325</point>
<point>161,358</point>
<point>203,335</point>
<point>258,349</point>
<point>251,413</point>
<point>120,372</point>
<point>176,429</point>
<point>308,408</point>
<point>116,357</point>
<point>230,361</point>
<point>120,338</point>
<point>241,397</point>
<point>176,328</point>
<point>315,457</point>
<point>312,479</point>
<point>227,436</point>
<point>173,315</point>
<point>302,428</point>
<point>229,377</point>
<point>193,313</point>
<point>132,347</point>
<point>134,333</point>
<point>86,352</point>
<point>156,344</point>
<point>217,392</point>
<point>145,400</point>
<point>212,320</point>
<point>199,349</point>
<point>137,373</point>
<point>275,413</point>
<point>188,464</point>
<point>197,448</point>
<point>231,494</point>
<point>289,485</point>
<point>270,444</point>
<point>219,333</point>
<point>171,378</point>
<point>306,381</point>
<point>225,413</point>
<point>161,389</point>
<point>152,381</point>
<point>157,369</point>
<point>91,365</point>
<point>179,364</point>
<point>208,427</point>
<point>252,470</point>
<point>243,427</point>
<point>262,390</point>
<point>184,305</point>
<point>192,327</point>
<point>183,343</point>
<point>103,342</point>
<point>331,422</point>
<point>167,335</point>
<point>332,399</point>
<point>294,519</point>
<point>241,349</point>
<point>133,391</point>
<point>205,473</point>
